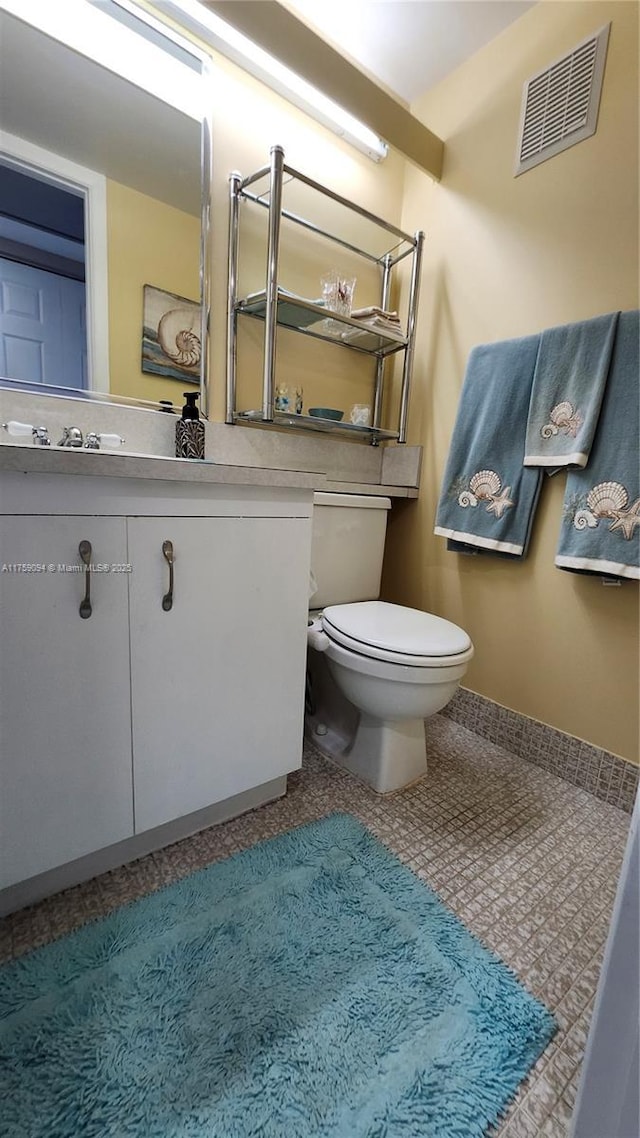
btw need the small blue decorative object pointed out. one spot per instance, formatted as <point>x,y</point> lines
<point>326,413</point>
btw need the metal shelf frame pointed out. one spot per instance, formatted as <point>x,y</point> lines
<point>271,302</point>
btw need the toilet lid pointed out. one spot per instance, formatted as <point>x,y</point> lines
<point>392,632</point>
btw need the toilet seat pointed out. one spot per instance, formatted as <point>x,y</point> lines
<point>397,635</point>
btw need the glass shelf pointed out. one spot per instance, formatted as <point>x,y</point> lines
<point>313,319</point>
<point>315,423</point>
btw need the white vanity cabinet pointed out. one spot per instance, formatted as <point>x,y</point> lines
<point>170,696</point>
<point>65,737</point>
<point>217,681</point>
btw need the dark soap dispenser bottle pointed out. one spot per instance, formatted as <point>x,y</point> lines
<point>190,429</point>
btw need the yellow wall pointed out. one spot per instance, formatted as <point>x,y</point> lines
<point>505,257</point>
<point>149,242</point>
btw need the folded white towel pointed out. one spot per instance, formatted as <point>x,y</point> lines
<point>389,327</point>
<point>373,310</point>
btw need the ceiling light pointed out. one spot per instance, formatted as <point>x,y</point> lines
<point>243,51</point>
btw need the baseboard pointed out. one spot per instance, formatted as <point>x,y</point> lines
<point>603,774</point>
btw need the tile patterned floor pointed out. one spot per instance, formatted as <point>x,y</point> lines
<point>528,862</point>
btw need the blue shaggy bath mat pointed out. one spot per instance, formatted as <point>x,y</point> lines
<point>310,987</point>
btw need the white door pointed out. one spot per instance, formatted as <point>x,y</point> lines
<point>65,725</point>
<point>218,678</point>
<point>43,337</point>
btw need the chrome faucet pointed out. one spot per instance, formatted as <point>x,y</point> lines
<point>71,437</point>
<point>41,437</point>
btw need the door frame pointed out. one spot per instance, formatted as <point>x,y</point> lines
<point>92,187</point>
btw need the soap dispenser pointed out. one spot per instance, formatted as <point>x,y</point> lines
<point>190,429</point>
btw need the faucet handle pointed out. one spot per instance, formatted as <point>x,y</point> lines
<point>40,435</point>
<point>13,427</point>
<point>94,440</point>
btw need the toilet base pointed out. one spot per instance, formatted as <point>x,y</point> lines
<point>387,756</point>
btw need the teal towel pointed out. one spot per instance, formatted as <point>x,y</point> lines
<point>568,387</point>
<point>488,497</point>
<point>600,530</point>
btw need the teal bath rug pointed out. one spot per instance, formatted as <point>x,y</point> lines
<point>311,987</point>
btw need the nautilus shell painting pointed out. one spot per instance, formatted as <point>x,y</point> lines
<point>171,343</point>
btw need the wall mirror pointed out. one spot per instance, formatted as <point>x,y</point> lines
<point>104,211</point>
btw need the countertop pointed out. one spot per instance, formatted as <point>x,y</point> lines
<point>120,464</point>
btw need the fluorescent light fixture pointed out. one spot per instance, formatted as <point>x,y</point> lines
<point>259,63</point>
<point>81,26</point>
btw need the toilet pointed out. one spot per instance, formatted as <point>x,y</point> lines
<point>376,670</point>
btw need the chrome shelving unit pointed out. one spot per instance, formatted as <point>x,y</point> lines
<point>279,308</point>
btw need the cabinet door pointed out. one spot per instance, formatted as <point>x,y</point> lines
<point>65,724</point>
<point>218,680</point>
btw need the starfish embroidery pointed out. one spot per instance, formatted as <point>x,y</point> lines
<point>627,520</point>
<point>501,502</point>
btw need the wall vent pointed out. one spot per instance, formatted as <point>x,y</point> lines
<point>560,103</point>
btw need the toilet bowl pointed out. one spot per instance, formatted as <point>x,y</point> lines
<point>375,671</point>
<point>396,666</point>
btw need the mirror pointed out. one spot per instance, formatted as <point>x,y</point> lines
<point>104,201</point>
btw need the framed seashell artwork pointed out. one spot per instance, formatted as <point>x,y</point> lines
<point>171,344</point>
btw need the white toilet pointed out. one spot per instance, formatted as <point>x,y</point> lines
<point>375,670</point>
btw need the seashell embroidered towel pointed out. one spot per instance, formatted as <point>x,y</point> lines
<point>600,529</point>
<point>568,386</point>
<point>488,497</point>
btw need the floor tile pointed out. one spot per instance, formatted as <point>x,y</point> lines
<point>527,860</point>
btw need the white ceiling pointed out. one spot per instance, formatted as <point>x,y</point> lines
<point>410,45</point>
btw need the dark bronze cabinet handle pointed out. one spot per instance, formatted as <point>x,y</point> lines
<point>167,553</point>
<point>85,605</point>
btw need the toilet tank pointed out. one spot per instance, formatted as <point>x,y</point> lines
<point>347,547</point>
